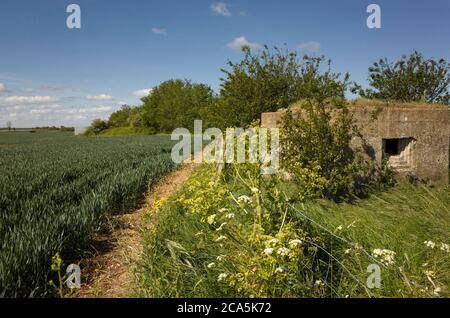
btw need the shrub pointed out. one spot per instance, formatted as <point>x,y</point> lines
<point>271,80</point>
<point>315,149</point>
<point>410,79</point>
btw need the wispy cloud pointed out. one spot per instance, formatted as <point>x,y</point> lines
<point>26,100</point>
<point>220,8</point>
<point>142,92</point>
<point>159,31</point>
<point>26,90</point>
<point>101,97</point>
<point>238,43</point>
<point>311,46</point>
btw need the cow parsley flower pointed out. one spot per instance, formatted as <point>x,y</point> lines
<point>273,241</point>
<point>268,251</point>
<point>244,199</point>
<point>230,215</point>
<point>255,190</point>
<point>295,243</point>
<point>385,256</point>
<point>222,277</point>
<point>280,269</point>
<point>221,257</point>
<point>430,244</point>
<point>211,265</point>
<point>445,247</point>
<point>283,251</point>
<point>319,283</point>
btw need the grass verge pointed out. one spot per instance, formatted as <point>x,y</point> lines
<point>242,235</point>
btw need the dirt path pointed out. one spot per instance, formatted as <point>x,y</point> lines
<point>109,272</point>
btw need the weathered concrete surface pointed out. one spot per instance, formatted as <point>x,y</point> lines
<point>421,133</point>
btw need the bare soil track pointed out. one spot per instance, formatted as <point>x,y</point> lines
<point>108,273</point>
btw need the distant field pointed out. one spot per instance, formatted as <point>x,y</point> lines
<point>56,190</point>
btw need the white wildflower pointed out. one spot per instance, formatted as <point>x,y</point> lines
<point>339,228</point>
<point>280,269</point>
<point>230,215</point>
<point>268,251</point>
<point>444,247</point>
<point>295,243</point>
<point>221,238</point>
<point>255,190</point>
<point>385,256</point>
<point>222,277</point>
<point>273,241</point>
<point>244,199</point>
<point>348,251</point>
<point>211,265</point>
<point>220,257</point>
<point>283,251</point>
<point>319,283</point>
<point>430,244</point>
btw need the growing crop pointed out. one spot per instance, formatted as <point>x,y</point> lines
<point>57,190</point>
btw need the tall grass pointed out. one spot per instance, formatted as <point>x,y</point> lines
<point>195,250</point>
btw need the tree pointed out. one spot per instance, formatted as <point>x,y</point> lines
<point>410,79</point>
<point>120,118</point>
<point>270,80</point>
<point>175,104</point>
<point>8,125</point>
<point>97,126</point>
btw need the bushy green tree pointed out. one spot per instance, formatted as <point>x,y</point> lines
<point>410,79</point>
<point>273,79</point>
<point>97,126</point>
<point>175,104</point>
<point>120,118</point>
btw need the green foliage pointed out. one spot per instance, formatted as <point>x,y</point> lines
<point>56,190</point>
<point>271,80</point>
<point>120,118</point>
<point>127,131</point>
<point>96,127</point>
<point>410,79</point>
<point>176,104</point>
<point>315,150</point>
<point>243,235</point>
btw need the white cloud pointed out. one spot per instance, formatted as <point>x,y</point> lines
<point>238,43</point>
<point>311,46</point>
<point>99,97</point>
<point>72,111</point>
<point>220,8</point>
<point>26,100</point>
<point>2,87</point>
<point>26,90</point>
<point>159,31</point>
<point>142,92</point>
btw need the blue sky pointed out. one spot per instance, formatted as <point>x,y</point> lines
<point>51,75</point>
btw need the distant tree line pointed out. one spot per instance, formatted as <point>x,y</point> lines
<point>273,79</point>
